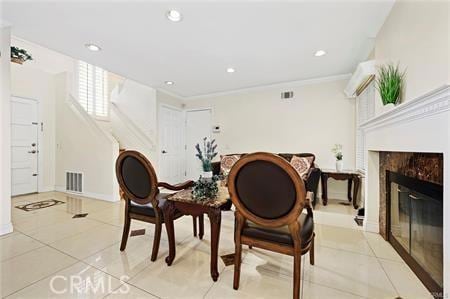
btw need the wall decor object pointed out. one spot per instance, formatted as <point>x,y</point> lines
<point>19,55</point>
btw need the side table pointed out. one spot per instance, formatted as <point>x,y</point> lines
<point>352,177</point>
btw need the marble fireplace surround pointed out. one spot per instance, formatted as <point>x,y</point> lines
<point>420,125</point>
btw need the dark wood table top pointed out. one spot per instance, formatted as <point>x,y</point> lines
<point>343,171</point>
<point>186,196</point>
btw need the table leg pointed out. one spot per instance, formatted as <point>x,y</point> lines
<point>349,189</point>
<point>215,219</point>
<point>169,212</point>
<point>201,224</point>
<point>324,189</point>
<point>356,191</point>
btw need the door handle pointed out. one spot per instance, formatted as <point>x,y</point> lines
<point>164,152</point>
<point>32,152</point>
<point>33,144</point>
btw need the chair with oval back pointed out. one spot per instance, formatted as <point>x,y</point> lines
<point>269,197</point>
<point>139,188</point>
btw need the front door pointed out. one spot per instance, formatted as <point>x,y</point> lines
<point>24,146</point>
<point>198,126</point>
<point>171,137</point>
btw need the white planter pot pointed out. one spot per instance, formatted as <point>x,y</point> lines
<point>207,174</point>
<point>388,107</point>
<point>339,165</point>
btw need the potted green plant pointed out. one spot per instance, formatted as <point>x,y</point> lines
<point>389,83</point>
<point>19,55</point>
<point>337,151</point>
<point>206,154</point>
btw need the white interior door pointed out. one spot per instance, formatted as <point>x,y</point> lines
<point>198,126</point>
<point>24,146</point>
<point>171,137</point>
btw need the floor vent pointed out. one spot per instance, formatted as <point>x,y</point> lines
<point>74,181</point>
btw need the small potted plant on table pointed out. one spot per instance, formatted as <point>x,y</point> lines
<point>206,154</point>
<point>337,151</point>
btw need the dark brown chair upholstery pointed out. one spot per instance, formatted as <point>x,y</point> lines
<point>269,197</point>
<point>139,188</point>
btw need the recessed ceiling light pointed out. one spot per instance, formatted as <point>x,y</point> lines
<point>230,70</point>
<point>320,53</point>
<point>92,47</point>
<point>174,15</point>
<point>169,82</point>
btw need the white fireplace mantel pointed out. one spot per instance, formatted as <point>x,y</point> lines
<point>418,125</point>
<point>434,102</point>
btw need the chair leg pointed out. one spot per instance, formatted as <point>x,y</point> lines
<point>237,263</point>
<point>297,274</point>
<point>311,251</point>
<point>194,224</point>
<point>250,246</point>
<point>156,239</point>
<point>126,231</point>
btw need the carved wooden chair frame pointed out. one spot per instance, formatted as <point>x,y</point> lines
<point>242,214</point>
<point>128,196</point>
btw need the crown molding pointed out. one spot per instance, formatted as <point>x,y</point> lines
<point>171,94</point>
<point>287,84</point>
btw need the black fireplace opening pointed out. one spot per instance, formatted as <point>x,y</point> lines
<point>415,226</point>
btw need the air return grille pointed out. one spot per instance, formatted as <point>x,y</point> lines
<point>287,95</point>
<point>74,181</point>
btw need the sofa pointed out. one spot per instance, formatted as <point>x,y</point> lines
<point>311,180</point>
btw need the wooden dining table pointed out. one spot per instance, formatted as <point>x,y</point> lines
<point>183,202</point>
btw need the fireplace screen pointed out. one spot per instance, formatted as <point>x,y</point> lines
<point>416,226</point>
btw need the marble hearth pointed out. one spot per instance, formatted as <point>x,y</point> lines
<point>395,139</point>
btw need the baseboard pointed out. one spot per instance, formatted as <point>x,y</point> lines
<point>370,226</point>
<point>334,195</point>
<point>105,197</point>
<point>6,229</point>
<point>47,189</point>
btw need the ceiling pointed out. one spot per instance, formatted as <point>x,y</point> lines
<point>266,42</point>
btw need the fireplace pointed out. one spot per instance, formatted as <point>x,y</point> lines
<point>414,225</point>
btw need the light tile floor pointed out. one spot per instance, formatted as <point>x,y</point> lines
<point>50,254</point>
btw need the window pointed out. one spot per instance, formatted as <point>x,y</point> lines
<point>93,89</point>
<point>365,110</point>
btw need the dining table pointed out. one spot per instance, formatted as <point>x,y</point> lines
<point>183,202</point>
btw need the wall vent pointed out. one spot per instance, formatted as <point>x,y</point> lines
<point>287,95</point>
<point>74,181</point>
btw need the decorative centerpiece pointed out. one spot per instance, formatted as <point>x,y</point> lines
<point>19,55</point>
<point>390,84</point>
<point>206,154</point>
<point>337,151</point>
<point>206,189</point>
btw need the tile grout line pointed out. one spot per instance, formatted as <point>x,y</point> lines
<point>384,270</point>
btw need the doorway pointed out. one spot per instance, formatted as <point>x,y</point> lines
<point>24,146</point>
<point>198,126</point>
<point>171,140</point>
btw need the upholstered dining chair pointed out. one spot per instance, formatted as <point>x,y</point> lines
<point>270,197</point>
<point>139,188</point>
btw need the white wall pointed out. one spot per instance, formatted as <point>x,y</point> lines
<point>317,118</point>
<point>5,129</point>
<point>81,149</point>
<point>34,83</point>
<point>138,102</point>
<point>135,125</point>
<point>416,34</point>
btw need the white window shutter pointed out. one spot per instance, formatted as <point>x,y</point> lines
<point>366,110</point>
<point>93,89</point>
